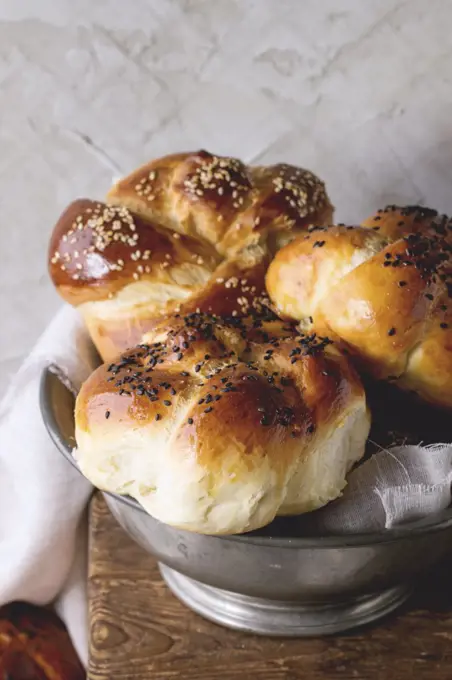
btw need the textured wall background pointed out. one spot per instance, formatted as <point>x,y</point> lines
<point>359,92</point>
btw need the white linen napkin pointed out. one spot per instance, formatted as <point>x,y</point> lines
<point>43,524</point>
<point>396,485</point>
<point>42,500</point>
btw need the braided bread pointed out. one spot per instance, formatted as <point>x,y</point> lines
<point>184,232</point>
<point>223,423</point>
<point>381,291</point>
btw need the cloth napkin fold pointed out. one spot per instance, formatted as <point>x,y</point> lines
<point>42,500</point>
<point>43,525</point>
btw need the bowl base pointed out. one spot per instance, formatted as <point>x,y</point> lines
<point>277,618</point>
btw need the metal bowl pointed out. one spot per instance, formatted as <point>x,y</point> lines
<point>270,582</point>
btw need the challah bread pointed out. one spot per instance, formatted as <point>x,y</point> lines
<point>223,424</point>
<point>224,202</point>
<point>381,291</point>
<point>177,229</point>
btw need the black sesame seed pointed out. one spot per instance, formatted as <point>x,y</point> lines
<point>167,402</point>
<point>157,416</point>
<point>180,356</point>
<point>197,368</point>
<point>429,296</point>
<point>208,409</point>
<point>402,284</point>
<point>190,421</point>
<point>444,325</point>
<point>311,429</point>
<point>107,414</point>
<point>392,331</point>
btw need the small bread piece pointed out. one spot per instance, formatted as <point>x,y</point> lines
<point>223,425</point>
<point>381,291</point>
<point>167,236</point>
<point>34,645</point>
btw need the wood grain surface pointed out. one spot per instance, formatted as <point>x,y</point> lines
<point>139,631</point>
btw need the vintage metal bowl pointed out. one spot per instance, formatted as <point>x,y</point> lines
<point>270,582</point>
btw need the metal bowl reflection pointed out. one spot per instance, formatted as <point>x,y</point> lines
<point>270,582</point>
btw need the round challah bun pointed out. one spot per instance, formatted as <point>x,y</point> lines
<point>381,291</point>
<point>183,228</point>
<point>223,424</point>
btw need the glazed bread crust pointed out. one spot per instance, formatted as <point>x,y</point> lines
<point>176,231</point>
<point>222,425</point>
<point>381,291</point>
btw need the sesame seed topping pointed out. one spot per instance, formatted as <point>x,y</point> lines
<point>215,176</point>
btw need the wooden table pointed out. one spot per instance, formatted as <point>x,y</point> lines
<point>139,631</point>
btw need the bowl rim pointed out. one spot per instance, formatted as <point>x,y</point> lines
<point>432,524</point>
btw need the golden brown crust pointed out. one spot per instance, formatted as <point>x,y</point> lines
<point>172,233</point>
<point>223,201</point>
<point>384,297</point>
<point>203,352</point>
<point>241,404</point>
<point>307,269</point>
<point>34,645</point>
<point>394,222</point>
<point>96,249</point>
